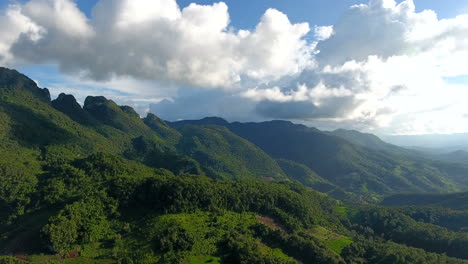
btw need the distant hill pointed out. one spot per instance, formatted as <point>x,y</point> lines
<point>362,139</point>
<point>457,201</point>
<point>226,155</point>
<point>453,164</point>
<point>459,156</point>
<point>303,174</point>
<point>373,142</point>
<point>358,163</point>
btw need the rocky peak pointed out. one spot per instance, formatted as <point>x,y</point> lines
<point>11,79</point>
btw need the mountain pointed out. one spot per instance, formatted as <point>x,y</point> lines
<point>67,104</point>
<point>101,125</point>
<point>458,156</point>
<point>162,129</point>
<point>303,174</point>
<point>363,139</point>
<point>99,184</point>
<point>68,187</point>
<point>457,201</point>
<point>354,162</point>
<point>13,82</point>
<point>227,155</point>
<point>452,164</point>
<point>371,141</point>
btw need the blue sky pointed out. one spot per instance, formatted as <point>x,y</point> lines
<point>245,13</point>
<point>384,67</point>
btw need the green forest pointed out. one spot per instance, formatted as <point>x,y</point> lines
<point>99,184</point>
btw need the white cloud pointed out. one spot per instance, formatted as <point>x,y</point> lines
<point>192,104</point>
<point>14,23</point>
<point>393,60</point>
<point>323,32</point>
<point>61,15</point>
<point>275,48</point>
<point>156,40</point>
<point>315,95</point>
<point>275,94</point>
<point>381,67</point>
<point>126,14</point>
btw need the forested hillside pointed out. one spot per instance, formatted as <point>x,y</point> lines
<point>353,162</point>
<point>99,184</point>
<point>450,200</point>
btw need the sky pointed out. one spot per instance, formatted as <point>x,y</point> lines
<point>380,66</point>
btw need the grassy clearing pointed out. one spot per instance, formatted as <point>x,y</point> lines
<point>203,260</point>
<point>334,241</point>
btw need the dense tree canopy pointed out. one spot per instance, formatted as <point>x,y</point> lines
<point>98,184</point>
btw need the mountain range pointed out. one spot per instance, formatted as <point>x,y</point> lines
<point>99,184</point>
<point>349,161</point>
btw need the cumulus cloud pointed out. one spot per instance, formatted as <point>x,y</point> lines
<point>385,29</point>
<point>323,32</point>
<point>14,24</point>
<point>381,67</point>
<point>192,104</point>
<point>155,40</point>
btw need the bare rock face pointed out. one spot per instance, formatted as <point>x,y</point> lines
<point>67,104</point>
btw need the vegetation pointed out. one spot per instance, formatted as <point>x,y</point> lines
<point>226,155</point>
<point>393,225</point>
<point>352,162</point>
<point>457,201</point>
<point>98,184</point>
